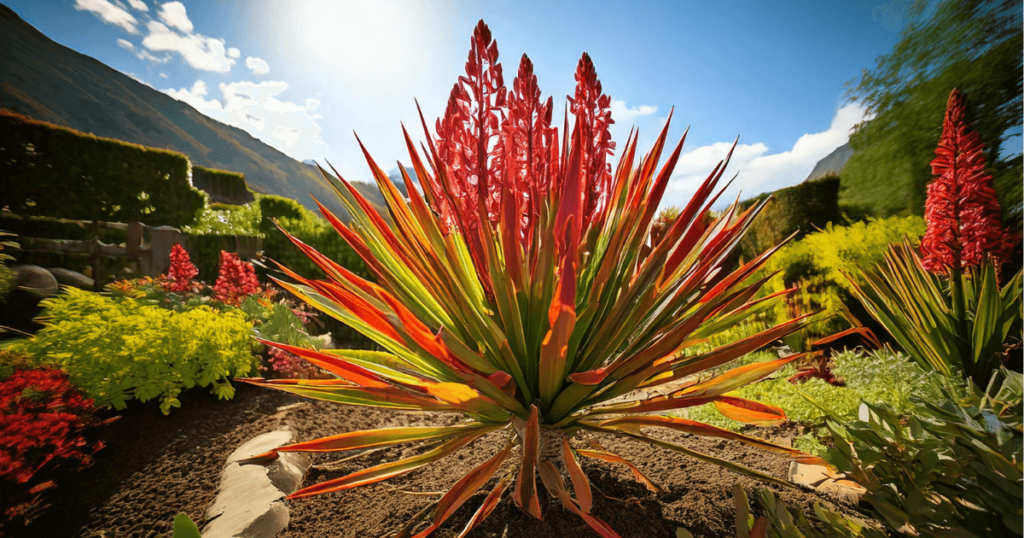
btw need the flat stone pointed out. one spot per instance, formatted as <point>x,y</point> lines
<point>67,277</point>
<point>249,503</point>
<point>822,480</point>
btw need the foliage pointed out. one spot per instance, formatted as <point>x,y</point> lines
<point>780,521</point>
<point>973,45</point>
<point>55,171</point>
<point>514,295</point>
<point>236,280</point>
<point>798,209</point>
<point>309,228</point>
<point>42,424</point>
<point>963,214</point>
<point>184,527</point>
<point>222,186</point>
<point>950,465</point>
<point>220,219</point>
<point>958,329</point>
<point>879,376</point>
<point>115,350</point>
<point>818,264</point>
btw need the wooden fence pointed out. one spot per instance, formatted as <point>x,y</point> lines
<point>149,247</point>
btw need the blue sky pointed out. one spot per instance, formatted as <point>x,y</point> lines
<point>303,75</point>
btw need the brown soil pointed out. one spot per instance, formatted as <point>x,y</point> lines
<point>156,466</point>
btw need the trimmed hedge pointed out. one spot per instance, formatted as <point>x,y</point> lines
<point>50,170</point>
<point>223,187</point>
<point>310,229</point>
<point>802,207</point>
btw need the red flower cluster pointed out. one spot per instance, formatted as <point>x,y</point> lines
<point>236,280</point>
<point>501,155</point>
<point>962,211</point>
<point>41,420</point>
<point>182,270</point>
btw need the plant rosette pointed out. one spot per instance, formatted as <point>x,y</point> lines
<point>515,291</point>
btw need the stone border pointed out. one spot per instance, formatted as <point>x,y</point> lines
<point>249,502</point>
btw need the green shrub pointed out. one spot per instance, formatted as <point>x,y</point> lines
<point>952,466</point>
<point>118,350</point>
<point>817,263</point>
<point>222,186</point>
<point>7,277</point>
<point>54,171</point>
<point>799,208</point>
<point>310,229</point>
<point>224,219</point>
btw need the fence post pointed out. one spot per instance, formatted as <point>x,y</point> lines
<point>162,238</point>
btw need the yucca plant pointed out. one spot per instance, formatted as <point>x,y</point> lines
<point>946,307</point>
<point>512,292</point>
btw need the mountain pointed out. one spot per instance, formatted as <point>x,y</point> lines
<point>50,82</point>
<point>833,163</point>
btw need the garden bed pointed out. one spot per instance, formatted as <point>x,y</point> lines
<point>155,466</point>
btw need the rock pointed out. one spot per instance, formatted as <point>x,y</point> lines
<point>822,480</point>
<point>67,277</point>
<point>35,280</point>
<point>249,503</point>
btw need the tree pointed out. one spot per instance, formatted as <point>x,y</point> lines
<point>973,45</point>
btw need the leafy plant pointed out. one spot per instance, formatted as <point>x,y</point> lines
<point>781,521</point>
<point>959,329</point>
<point>952,467</point>
<point>118,350</point>
<point>512,292</point>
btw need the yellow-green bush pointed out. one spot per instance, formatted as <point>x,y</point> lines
<point>115,351</point>
<point>817,264</point>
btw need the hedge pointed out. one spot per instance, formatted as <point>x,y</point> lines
<point>223,187</point>
<point>800,208</point>
<point>310,229</point>
<point>50,170</point>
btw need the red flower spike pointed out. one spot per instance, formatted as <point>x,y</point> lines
<point>182,270</point>
<point>236,280</point>
<point>962,211</point>
<point>593,118</point>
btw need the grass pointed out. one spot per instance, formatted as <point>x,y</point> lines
<point>875,377</point>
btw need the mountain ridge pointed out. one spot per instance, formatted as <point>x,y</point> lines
<point>50,82</point>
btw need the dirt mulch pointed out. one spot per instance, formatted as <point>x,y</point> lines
<point>155,466</point>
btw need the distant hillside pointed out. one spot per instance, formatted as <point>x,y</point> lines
<point>47,81</point>
<point>833,163</point>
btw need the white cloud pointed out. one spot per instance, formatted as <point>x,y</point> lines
<point>194,96</point>
<point>234,52</point>
<point>256,108</point>
<point>145,55</point>
<point>623,114</point>
<point>201,52</point>
<point>173,13</point>
<point>138,5</point>
<point>163,75</point>
<point>760,171</point>
<point>125,44</point>
<point>257,66</point>
<point>110,14</point>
